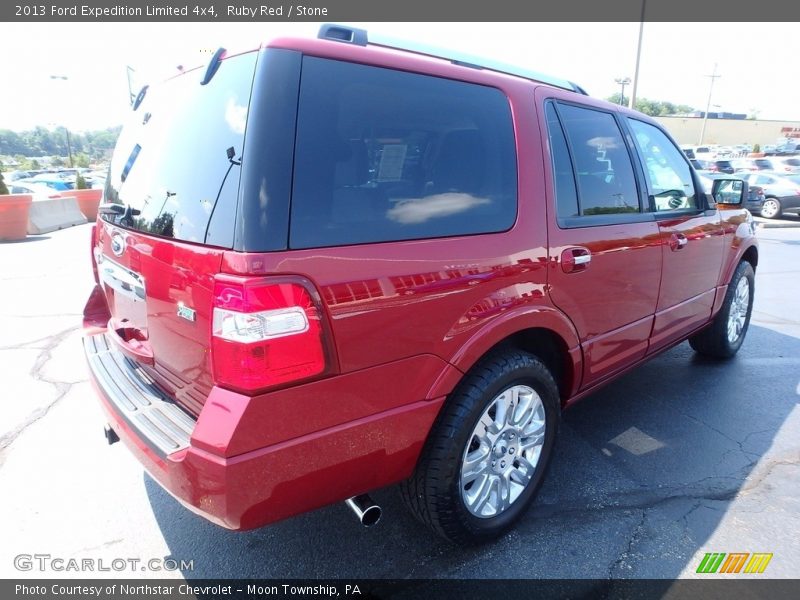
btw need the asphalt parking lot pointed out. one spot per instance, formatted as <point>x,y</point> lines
<point>681,457</point>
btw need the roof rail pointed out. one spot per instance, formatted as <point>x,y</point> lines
<point>359,37</point>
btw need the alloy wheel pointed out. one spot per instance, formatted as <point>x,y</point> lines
<point>503,451</point>
<point>738,313</point>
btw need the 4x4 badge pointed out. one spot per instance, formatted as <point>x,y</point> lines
<point>186,313</point>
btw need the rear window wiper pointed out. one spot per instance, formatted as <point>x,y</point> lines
<point>110,208</point>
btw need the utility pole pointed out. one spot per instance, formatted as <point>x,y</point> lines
<point>69,144</point>
<point>69,147</point>
<point>713,78</point>
<point>632,101</point>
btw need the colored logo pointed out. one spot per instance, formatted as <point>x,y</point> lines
<point>734,562</point>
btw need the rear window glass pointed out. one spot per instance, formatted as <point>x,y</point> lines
<point>170,165</point>
<point>384,155</point>
<point>792,162</point>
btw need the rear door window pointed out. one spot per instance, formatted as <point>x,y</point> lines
<point>384,155</point>
<point>171,166</point>
<point>603,169</point>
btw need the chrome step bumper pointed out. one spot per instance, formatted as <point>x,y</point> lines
<point>161,423</point>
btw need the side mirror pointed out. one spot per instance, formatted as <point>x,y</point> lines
<point>730,192</point>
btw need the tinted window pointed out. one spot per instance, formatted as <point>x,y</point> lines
<point>171,162</point>
<point>386,155</point>
<point>606,184</point>
<point>669,178</point>
<point>792,162</point>
<point>566,192</point>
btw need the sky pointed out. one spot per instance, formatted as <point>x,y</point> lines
<point>675,61</point>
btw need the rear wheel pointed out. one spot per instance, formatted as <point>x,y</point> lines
<point>487,454</point>
<point>771,209</point>
<point>724,337</point>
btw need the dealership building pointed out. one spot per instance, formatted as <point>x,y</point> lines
<point>729,131</point>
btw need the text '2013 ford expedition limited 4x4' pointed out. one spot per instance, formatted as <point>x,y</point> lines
<point>325,266</point>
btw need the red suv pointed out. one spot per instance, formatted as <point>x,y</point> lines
<point>325,266</point>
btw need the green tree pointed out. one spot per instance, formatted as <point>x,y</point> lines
<point>80,182</point>
<point>81,160</point>
<point>41,141</point>
<point>654,108</point>
<point>614,99</point>
<point>57,161</point>
<point>3,188</point>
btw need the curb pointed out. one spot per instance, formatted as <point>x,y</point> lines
<point>775,224</point>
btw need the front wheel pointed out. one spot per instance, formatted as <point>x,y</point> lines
<point>486,456</point>
<point>724,337</point>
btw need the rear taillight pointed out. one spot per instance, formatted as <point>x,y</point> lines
<point>266,332</point>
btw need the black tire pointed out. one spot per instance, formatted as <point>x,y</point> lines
<point>713,340</point>
<point>433,493</point>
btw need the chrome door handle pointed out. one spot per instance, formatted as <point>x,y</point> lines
<point>677,241</point>
<point>574,260</point>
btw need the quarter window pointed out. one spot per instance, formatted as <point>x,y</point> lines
<point>566,192</point>
<point>669,177</point>
<point>384,155</point>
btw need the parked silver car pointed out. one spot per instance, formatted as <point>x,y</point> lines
<point>782,193</point>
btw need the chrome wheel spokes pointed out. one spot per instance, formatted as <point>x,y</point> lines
<point>503,451</point>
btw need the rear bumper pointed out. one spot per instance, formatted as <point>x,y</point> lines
<point>196,460</point>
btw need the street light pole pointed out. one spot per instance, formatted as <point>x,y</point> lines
<point>713,78</point>
<point>69,147</point>
<point>622,81</point>
<point>632,101</point>
<point>66,130</point>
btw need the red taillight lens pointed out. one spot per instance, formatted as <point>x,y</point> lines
<point>265,332</point>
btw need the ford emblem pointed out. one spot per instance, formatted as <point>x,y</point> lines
<point>117,243</point>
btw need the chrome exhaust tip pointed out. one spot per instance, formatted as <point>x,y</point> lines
<point>365,508</point>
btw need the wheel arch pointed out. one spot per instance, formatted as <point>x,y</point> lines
<point>751,256</point>
<point>544,332</point>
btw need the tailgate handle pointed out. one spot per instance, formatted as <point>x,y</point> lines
<point>130,342</point>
